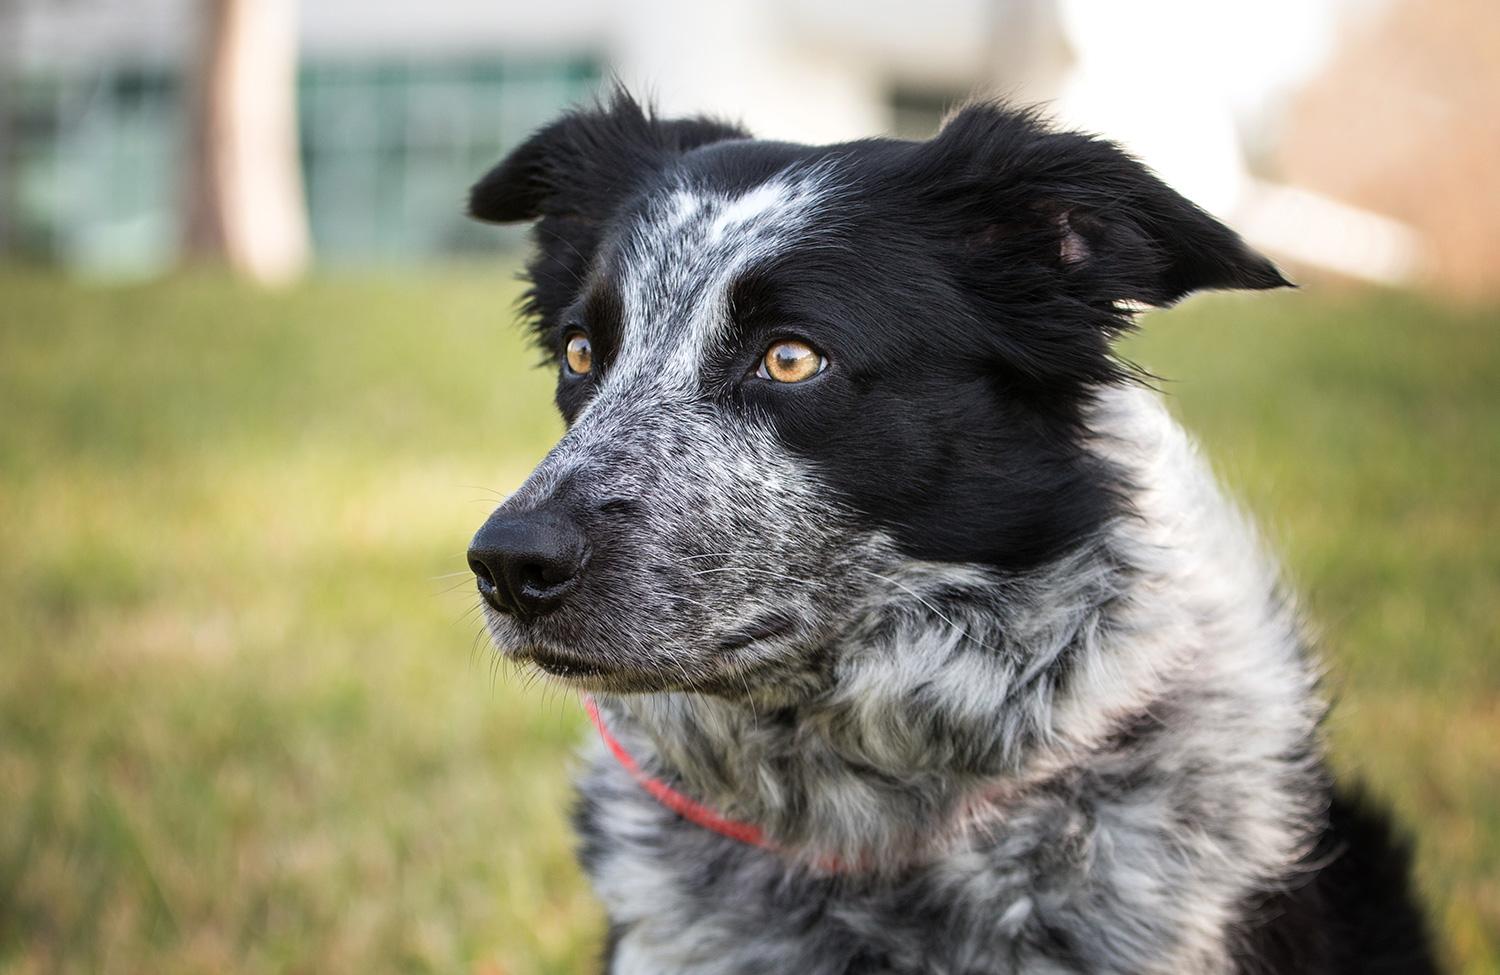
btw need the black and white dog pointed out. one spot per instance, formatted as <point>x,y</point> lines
<point>919,636</point>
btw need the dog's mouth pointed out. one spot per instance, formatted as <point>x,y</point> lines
<point>567,666</point>
<point>724,672</point>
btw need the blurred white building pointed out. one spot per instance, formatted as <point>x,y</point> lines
<point>403,104</point>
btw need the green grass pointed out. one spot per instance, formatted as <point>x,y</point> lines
<point>243,728</point>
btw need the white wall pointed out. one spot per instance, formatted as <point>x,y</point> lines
<point>817,71</point>
<point>733,59</point>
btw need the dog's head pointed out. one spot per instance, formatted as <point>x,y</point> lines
<point>787,370</point>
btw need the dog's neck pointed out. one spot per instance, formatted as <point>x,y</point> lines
<point>1153,681</point>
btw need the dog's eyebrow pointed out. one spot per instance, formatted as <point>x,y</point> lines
<point>603,310</point>
<point>750,293</point>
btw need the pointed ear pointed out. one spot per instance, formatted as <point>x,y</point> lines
<point>1113,230</point>
<point>570,177</point>
<point>587,162</point>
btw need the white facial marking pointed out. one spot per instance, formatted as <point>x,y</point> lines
<point>679,263</point>
<point>764,199</point>
<point>684,207</point>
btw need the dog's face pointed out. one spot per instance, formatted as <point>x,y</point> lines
<point>788,370</point>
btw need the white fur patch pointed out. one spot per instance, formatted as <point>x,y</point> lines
<point>680,261</point>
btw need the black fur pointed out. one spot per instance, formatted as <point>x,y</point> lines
<point>1349,910</point>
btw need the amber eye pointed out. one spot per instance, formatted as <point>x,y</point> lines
<point>791,361</point>
<point>578,354</point>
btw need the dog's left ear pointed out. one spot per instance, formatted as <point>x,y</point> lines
<point>582,166</point>
<point>571,177</point>
<point>1110,228</point>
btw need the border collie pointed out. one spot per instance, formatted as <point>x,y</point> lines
<point>918,635</point>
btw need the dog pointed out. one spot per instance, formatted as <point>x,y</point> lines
<point>918,636</point>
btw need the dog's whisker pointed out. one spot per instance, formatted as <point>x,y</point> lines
<point>476,644</point>
<point>962,631</point>
<point>501,496</point>
<point>578,278</point>
<point>782,576</point>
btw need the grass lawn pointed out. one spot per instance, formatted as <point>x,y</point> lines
<point>246,725</point>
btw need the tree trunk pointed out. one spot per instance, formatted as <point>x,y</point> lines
<point>245,202</point>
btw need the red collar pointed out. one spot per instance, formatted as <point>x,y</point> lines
<point>690,809</point>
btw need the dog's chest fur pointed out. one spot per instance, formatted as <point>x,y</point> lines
<point>1094,769</point>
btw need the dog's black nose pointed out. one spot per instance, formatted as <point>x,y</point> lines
<point>527,562</point>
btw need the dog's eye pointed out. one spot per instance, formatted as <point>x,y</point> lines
<point>791,361</point>
<point>578,354</point>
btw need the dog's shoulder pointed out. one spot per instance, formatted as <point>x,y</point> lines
<point>1351,910</point>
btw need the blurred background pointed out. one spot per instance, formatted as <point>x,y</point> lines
<point>260,381</point>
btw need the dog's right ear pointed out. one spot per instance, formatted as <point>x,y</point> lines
<point>586,163</point>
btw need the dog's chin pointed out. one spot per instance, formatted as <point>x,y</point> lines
<point>586,673</point>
